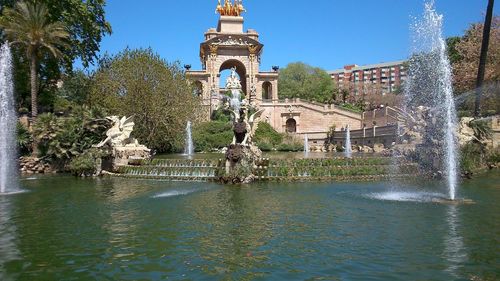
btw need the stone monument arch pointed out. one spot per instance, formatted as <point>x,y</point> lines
<point>228,46</point>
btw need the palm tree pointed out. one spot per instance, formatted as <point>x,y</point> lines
<point>483,56</point>
<point>27,24</point>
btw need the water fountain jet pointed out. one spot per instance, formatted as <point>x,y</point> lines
<point>189,147</point>
<point>8,121</point>
<point>429,86</point>
<point>348,146</point>
<point>306,145</point>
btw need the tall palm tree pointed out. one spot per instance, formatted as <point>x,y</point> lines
<point>483,57</point>
<point>27,24</point>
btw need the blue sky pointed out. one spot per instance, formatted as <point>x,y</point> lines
<point>324,33</point>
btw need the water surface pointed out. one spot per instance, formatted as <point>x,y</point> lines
<point>65,228</point>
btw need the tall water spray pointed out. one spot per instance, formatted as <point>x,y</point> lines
<point>8,119</point>
<point>348,146</point>
<point>188,146</point>
<point>429,86</point>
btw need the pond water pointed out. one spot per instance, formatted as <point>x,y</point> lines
<point>65,228</point>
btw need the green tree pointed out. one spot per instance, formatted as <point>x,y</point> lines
<point>27,24</point>
<point>86,24</point>
<point>453,54</point>
<point>140,83</point>
<point>76,87</point>
<point>299,80</point>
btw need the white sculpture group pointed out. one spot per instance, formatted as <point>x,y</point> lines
<point>119,134</point>
<point>125,149</point>
<point>232,81</point>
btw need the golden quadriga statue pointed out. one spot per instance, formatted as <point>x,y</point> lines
<point>232,9</point>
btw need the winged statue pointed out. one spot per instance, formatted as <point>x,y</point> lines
<point>252,125</point>
<point>119,134</point>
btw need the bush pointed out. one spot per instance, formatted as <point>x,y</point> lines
<point>472,156</point>
<point>222,115</point>
<point>208,136</point>
<point>265,134</point>
<point>62,138</point>
<point>291,143</point>
<point>24,139</point>
<point>351,107</point>
<point>265,146</point>
<point>86,164</point>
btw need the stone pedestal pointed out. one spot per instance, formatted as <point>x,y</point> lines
<point>230,24</point>
<point>126,155</point>
<point>240,161</point>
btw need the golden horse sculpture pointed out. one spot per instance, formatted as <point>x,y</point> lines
<point>234,9</point>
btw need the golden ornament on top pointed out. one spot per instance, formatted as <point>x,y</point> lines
<point>233,8</point>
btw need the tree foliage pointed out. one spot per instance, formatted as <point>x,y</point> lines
<point>76,87</point>
<point>208,136</point>
<point>28,25</point>
<point>86,25</point>
<point>266,137</point>
<point>157,93</point>
<point>299,80</point>
<point>451,44</point>
<point>62,138</point>
<point>468,50</point>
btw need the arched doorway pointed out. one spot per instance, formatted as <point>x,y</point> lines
<point>198,88</point>
<point>291,126</point>
<point>267,91</point>
<point>240,70</point>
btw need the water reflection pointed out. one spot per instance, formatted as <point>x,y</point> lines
<point>236,229</point>
<point>454,251</point>
<point>8,238</point>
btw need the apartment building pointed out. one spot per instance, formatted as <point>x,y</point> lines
<point>373,79</point>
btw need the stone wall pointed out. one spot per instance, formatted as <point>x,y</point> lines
<point>33,165</point>
<point>313,119</point>
<point>386,136</point>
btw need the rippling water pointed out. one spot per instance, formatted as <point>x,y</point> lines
<point>120,229</point>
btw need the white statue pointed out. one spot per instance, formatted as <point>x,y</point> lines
<point>232,81</point>
<point>119,134</point>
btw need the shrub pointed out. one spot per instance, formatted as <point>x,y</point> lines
<point>24,139</point>
<point>62,138</point>
<point>266,133</point>
<point>86,164</point>
<point>212,135</point>
<point>472,156</point>
<point>264,146</point>
<point>222,115</point>
<point>291,143</point>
